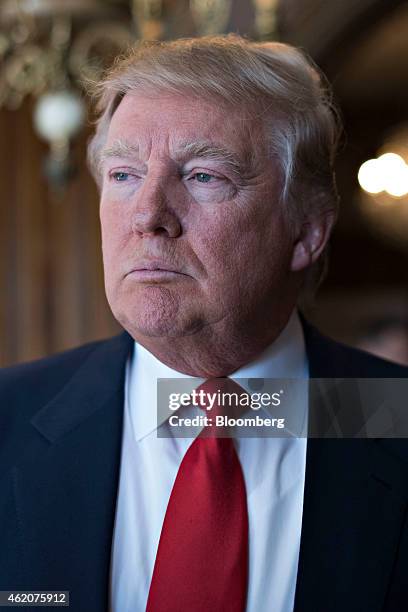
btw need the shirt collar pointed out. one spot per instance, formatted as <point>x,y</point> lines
<point>284,358</point>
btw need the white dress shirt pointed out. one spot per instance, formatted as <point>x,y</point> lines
<point>274,472</point>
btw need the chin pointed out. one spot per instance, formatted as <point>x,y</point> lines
<point>153,327</point>
<point>156,311</point>
<point>150,328</point>
<point>152,312</point>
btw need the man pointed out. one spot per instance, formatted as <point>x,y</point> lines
<point>214,161</point>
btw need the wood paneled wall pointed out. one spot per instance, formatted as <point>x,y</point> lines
<point>51,277</point>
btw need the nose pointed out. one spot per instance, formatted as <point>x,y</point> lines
<point>153,213</point>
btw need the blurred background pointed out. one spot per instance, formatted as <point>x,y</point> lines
<point>51,279</point>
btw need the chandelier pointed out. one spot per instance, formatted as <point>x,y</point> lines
<point>49,50</point>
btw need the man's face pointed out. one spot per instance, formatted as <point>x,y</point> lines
<point>194,238</point>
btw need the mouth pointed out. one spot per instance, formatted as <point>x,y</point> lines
<point>156,272</point>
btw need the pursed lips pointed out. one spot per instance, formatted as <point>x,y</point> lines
<point>152,269</point>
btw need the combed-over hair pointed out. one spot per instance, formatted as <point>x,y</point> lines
<point>271,79</point>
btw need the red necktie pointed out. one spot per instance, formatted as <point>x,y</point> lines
<point>202,558</point>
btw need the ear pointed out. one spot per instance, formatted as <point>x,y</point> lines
<point>311,240</point>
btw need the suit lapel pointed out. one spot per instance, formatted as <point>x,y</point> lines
<point>66,486</point>
<point>354,503</point>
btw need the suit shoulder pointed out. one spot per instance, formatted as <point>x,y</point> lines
<point>334,359</point>
<point>26,386</point>
<point>370,364</point>
<point>38,367</point>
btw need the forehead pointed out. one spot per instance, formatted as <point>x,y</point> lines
<point>171,119</point>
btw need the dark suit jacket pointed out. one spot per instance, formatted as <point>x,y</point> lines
<point>60,428</point>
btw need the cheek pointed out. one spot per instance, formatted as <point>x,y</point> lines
<point>229,233</point>
<point>222,236</point>
<point>225,248</point>
<point>113,243</point>
<point>245,250</point>
<point>114,230</point>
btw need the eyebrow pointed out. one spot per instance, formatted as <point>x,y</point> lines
<point>206,150</point>
<point>185,151</point>
<point>119,148</point>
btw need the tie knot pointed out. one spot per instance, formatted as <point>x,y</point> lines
<point>220,397</point>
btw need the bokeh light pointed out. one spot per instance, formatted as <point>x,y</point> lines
<point>388,173</point>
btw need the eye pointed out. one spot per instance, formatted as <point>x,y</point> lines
<point>203,177</point>
<point>206,185</point>
<point>120,177</point>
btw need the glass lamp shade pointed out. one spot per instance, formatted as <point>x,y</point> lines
<point>58,116</point>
